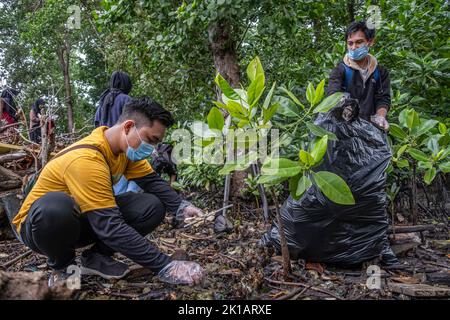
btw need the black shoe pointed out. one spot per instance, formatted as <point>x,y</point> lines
<point>94,263</point>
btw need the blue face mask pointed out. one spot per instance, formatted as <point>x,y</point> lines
<point>142,152</point>
<point>359,53</point>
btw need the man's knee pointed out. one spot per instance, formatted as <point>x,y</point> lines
<point>151,214</point>
<point>54,214</point>
<point>153,208</point>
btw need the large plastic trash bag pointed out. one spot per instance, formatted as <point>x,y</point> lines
<point>320,230</point>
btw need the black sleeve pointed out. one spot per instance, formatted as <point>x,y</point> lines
<point>335,80</point>
<point>154,184</point>
<point>112,230</point>
<point>383,93</point>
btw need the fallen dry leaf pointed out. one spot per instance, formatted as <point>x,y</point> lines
<point>315,266</point>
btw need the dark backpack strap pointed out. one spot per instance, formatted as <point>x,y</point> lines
<point>376,74</point>
<point>79,146</point>
<point>348,74</point>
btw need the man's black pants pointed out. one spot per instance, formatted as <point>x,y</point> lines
<point>54,227</point>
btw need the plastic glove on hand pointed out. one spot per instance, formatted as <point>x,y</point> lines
<point>380,122</point>
<point>182,272</point>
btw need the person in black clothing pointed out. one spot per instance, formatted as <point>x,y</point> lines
<point>360,75</point>
<point>113,100</point>
<point>8,109</point>
<point>162,161</point>
<point>35,120</point>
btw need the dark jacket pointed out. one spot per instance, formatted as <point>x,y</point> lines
<point>371,95</point>
<point>113,100</point>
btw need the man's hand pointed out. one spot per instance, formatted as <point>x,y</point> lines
<point>187,210</point>
<point>182,272</point>
<point>380,122</point>
<point>192,212</point>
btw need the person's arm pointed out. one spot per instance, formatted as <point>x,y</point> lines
<point>112,230</point>
<point>154,184</point>
<point>383,93</point>
<point>335,80</point>
<point>33,118</point>
<point>97,117</point>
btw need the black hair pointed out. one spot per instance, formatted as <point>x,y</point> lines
<point>144,111</point>
<point>360,26</point>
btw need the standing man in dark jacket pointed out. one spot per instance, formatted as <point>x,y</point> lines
<point>360,75</point>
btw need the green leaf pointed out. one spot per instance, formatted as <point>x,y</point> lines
<point>306,158</point>
<point>444,154</point>
<point>298,185</point>
<point>303,184</point>
<point>417,154</point>
<point>220,105</point>
<point>397,132</point>
<point>310,93</point>
<point>255,90</point>
<point>442,128</point>
<point>333,187</point>
<point>281,167</point>
<point>329,102</point>
<point>402,163</point>
<point>268,113</point>
<point>269,97</point>
<point>433,145</point>
<point>293,97</point>
<point>227,169</point>
<point>424,165</point>
<point>320,91</point>
<point>445,167</point>
<point>236,110</point>
<point>402,118</point>
<point>425,126</point>
<point>401,150</point>
<point>270,180</point>
<point>227,90</point>
<point>287,108</point>
<point>293,184</point>
<point>319,150</point>
<point>242,123</point>
<point>412,119</point>
<point>320,132</point>
<point>215,119</point>
<point>254,69</point>
<point>429,176</point>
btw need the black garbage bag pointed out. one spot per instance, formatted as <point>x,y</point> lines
<point>320,230</point>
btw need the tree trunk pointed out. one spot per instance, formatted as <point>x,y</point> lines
<point>47,142</point>
<point>223,48</point>
<point>351,10</point>
<point>413,198</point>
<point>64,59</point>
